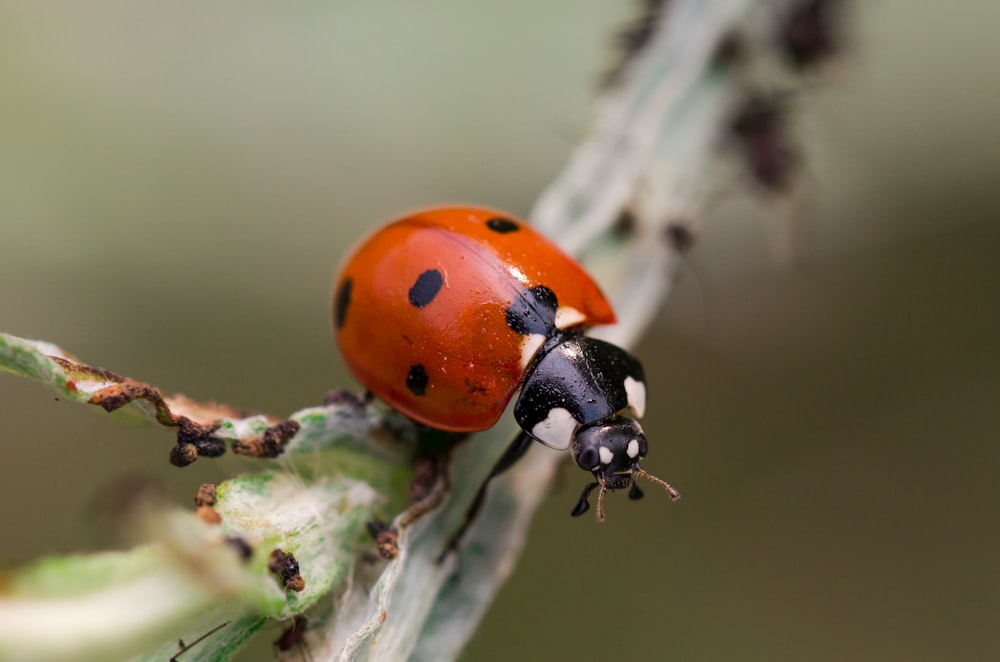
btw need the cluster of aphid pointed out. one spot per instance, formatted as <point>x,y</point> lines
<point>281,564</point>
<point>806,36</point>
<point>802,35</point>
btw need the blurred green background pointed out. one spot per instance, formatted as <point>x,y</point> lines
<point>179,180</point>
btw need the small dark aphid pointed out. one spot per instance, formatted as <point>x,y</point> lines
<point>271,444</point>
<point>293,636</point>
<point>182,455</point>
<point>760,129</point>
<point>625,225</point>
<point>189,432</point>
<point>808,34</point>
<point>285,566</point>
<point>193,441</point>
<point>385,538</point>
<point>680,236</point>
<point>205,499</point>
<point>633,38</point>
<point>731,49</point>
<point>242,547</point>
<point>206,496</point>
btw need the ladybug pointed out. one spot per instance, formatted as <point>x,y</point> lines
<point>444,314</point>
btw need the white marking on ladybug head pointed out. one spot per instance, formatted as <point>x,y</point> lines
<point>529,347</point>
<point>556,431</point>
<point>633,449</point>
<point>606,455</point>
<point>568,316</point>
<point>636,392</point>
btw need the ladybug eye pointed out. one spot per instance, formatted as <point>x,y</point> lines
<point>588,458</point>
<point>636,448</point>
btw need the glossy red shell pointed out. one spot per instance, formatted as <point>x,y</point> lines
<point>459,343</point>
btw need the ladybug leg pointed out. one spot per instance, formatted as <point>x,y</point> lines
<point>583,505</point>
<point>515,451</point>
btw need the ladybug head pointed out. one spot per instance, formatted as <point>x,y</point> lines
<point>611,449</point>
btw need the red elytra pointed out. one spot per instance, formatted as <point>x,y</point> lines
<point>421,307</point>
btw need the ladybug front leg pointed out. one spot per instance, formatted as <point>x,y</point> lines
<point>515,451</point>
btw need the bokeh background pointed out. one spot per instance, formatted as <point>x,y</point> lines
<point>179,180</point>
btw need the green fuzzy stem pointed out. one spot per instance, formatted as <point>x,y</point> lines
<point>120,604</point>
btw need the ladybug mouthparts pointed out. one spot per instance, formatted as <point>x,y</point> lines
<point>619,482</point>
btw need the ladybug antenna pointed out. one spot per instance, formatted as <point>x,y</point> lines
<point>600,500</point>
<point>674,494</point>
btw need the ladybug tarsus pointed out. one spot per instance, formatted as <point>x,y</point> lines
<point>583,505</point>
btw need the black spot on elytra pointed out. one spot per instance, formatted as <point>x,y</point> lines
<point>533,312</point>
<point>416,379</point>
<point>502,225</point>
<point>426,287</point>
<point>342,302</point>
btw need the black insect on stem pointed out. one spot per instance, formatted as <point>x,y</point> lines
<point>194,441</point>
<point>293,636</point>
<point>207,495</point>
<point>286,567</point>
<point>809,32</point>
<point>760,130</point>
<point>386,539</point>
<point>242,548</point>
<point>271,444</point>
<point>633,39</point>
<point>625,225</point>
<point>679,235</point>
<point>732,49</point>
<point>205,500</point>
